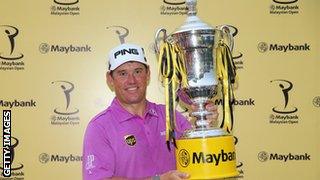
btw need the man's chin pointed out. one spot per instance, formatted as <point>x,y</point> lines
<point>135,100</point>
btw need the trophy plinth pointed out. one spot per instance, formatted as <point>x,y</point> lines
<point>192,62</point>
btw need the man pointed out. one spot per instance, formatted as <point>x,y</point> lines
<point>127,140</point>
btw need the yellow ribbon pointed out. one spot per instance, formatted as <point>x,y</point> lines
<point>171,72</point>
<point>226,73</point>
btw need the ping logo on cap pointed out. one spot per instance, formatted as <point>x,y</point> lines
<point>125,51</point>
<point>130,140</point>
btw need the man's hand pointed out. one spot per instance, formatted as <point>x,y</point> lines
<point>211,118</point>
<point>174,175</point>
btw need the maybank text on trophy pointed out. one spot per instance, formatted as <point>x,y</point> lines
<point>195,62</point>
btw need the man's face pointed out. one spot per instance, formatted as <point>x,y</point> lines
<point>129,82</point>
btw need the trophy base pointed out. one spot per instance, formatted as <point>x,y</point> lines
<point>203,133</point>
<point>212,157</point>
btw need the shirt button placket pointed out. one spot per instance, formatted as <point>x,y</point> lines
<point>151,148</point>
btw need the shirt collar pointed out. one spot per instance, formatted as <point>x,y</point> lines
<point>151,109</point>
<point>123,115</point>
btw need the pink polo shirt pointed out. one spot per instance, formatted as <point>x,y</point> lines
<point>118,143</point>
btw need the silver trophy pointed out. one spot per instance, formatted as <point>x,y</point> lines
<point>193,60</point>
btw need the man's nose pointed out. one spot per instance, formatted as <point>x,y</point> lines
<point>131,78</point>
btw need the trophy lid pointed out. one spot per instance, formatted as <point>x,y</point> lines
<point>193,22</point>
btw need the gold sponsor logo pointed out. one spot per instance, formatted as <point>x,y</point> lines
<point>130,140</point>
<point>184,158</point>
<point>214,158</point>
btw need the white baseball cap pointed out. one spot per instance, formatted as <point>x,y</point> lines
<point>125,53</point>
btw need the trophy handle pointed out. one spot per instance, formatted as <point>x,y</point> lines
<point>227,36</point>
<point>158,39</point>
<point>226,73</point>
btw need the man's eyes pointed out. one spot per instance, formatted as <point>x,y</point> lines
<point>125,73</point>
<point>138,71</point>
<point>122,73</point>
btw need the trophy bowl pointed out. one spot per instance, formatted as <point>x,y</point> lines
<point>196,48</point>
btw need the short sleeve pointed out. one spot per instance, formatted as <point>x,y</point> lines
<point>98,160</point>
<point>182,122</point>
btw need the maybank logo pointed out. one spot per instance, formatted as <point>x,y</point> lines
<point>203,158</point>
<point>65,113</point>
<point>284,113</point>
<point>45,48</point>
<point>184,158</point>
<point>45,158</point>
<point>18,103</point>
<point>173,7</point>
<point>275,47</point>
<point>237,102</point>
<point>316,101</point>
<point>65,7</point>
<point>280,7</point>
<point>10,57</point>
<point>264,156</point>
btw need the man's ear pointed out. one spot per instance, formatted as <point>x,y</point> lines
<point>109,80</point>
<point>148,74</point>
